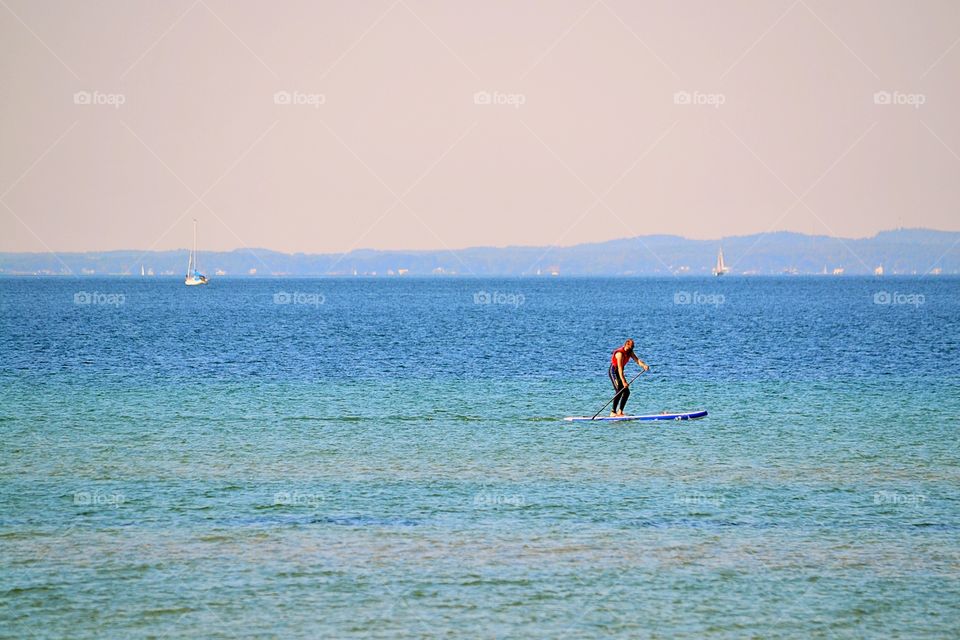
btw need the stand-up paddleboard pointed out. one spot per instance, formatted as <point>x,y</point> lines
<point>688,415</point>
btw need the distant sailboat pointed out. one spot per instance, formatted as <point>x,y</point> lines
<point>194,277</point>
<point>142,273</point>
<point>721,268</point>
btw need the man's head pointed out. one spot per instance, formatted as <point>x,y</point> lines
<point>628,345</point>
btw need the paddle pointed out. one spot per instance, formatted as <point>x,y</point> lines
<point>616,395</point>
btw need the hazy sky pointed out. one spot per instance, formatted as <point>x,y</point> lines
<point>605,119</point>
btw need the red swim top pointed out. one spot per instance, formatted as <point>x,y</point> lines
<point>625,355</point>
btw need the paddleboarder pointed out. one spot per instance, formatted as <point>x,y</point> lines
<point>618,360</point>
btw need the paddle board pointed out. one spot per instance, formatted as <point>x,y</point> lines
<point>688,415</point>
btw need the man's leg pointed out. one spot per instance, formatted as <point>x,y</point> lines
<point>623,399</point>
<point>617,386</point>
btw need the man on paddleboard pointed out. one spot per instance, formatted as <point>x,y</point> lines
<point>618,360</point>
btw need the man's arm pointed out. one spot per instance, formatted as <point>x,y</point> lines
<point>640,362</point>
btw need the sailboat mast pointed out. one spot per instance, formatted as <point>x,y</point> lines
<point>196,268</point>
<point>190,260</point>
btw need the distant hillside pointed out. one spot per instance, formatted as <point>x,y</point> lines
<point>905,251</point>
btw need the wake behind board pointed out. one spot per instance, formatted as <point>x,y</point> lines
<point>688,415</point>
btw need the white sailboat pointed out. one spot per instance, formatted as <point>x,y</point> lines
<point>194,277</point>
<point>721,268</point>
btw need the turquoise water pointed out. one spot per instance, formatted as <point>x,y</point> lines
<point>384,458</point>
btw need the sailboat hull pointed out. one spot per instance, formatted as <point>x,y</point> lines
<point>192,282</point>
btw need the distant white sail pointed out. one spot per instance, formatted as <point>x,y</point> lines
<point>721,267</point>
<point>194,277</point>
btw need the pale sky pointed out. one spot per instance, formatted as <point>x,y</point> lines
<point>589,135</point>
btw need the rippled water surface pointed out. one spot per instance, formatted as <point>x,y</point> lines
<point>380,458</point>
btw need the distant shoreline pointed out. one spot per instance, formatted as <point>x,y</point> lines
<point>650,276</point>
<point>899,252</point>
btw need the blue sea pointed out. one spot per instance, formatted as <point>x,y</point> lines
<point>381,458</point>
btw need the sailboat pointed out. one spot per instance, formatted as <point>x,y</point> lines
<point>194,277</point>
<point>721,268</point>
